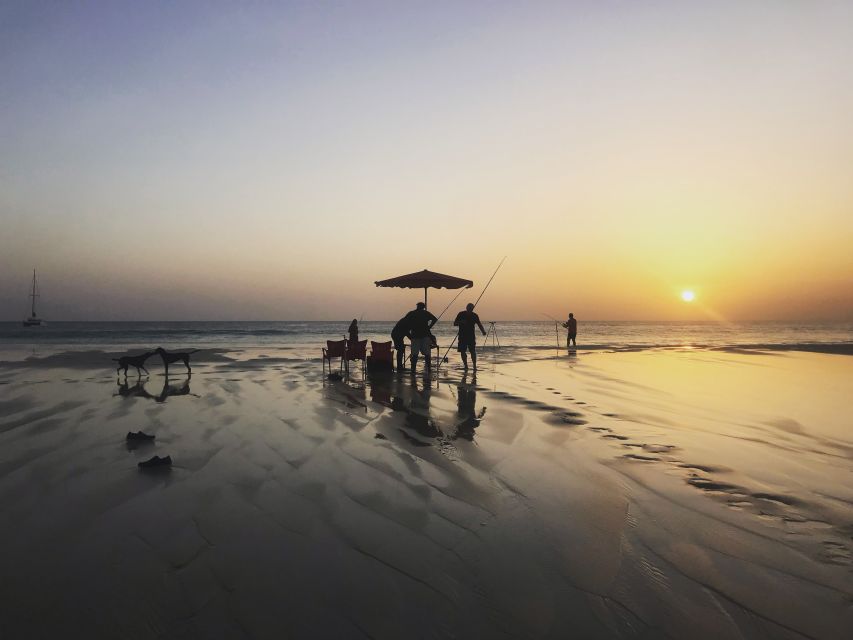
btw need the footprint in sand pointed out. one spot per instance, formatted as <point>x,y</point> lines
<point>564,418</point>
<point>640,458</point>
<point>660,448</point>
<point>707,484</point>
<point>703,467</point>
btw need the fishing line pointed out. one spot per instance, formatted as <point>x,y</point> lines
<point>556,327</point>
<point>448,306</point>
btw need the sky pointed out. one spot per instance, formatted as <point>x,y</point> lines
<point>270,161</point>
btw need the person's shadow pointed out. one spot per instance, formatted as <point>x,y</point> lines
<point>424,425</point>
<point>138,390</point>
<point>466,411</point>
<point>418,416</point>
<point>405,395</point>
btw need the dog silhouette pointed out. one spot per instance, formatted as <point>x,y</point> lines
<point>133,361</point>
<point>175,356</point>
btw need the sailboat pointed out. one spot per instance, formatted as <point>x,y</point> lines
<point>33,320</point>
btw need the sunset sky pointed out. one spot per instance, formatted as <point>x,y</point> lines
<point>270,161</point>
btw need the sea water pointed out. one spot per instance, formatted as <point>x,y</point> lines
<point>306,338</point>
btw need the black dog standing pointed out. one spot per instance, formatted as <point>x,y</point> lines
<point>174,356</point>
<point>133,361</point>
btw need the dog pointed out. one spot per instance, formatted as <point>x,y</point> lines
<point>170,358</point>
<point>133,361</point>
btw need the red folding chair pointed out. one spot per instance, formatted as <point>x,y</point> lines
<point>381,355</point>
<point>334,349</point>
<point>356,351</point>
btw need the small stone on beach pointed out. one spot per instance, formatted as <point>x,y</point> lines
<point>139,435</point>
<point>156,462</point>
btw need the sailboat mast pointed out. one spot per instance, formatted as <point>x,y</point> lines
<point>34,295</point>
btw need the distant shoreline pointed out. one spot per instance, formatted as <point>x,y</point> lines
<point>86,357</point>
<point>446,319</point>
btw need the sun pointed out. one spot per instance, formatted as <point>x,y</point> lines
<point>688,296</point>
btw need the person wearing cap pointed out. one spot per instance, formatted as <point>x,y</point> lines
<point>419,322</point>
<point>466,321</point>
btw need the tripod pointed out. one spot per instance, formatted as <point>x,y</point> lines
<point>493,331</point>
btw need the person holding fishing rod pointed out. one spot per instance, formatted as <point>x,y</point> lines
<point>466,321</point>
<point>401,331</point>
<point>572,325</point>
<point>476,302</point>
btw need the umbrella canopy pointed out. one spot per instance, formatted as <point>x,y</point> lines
<point>425,280</point>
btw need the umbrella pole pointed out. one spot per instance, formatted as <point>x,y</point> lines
<point>425,297</point>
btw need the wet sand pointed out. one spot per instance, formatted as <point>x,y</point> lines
<point>650,494</point>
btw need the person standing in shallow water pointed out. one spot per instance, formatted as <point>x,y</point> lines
<point>466,321</point>
<point>572,325</point>
<point>419,322</point>
<point>353,330</point>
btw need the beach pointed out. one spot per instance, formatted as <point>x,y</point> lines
<point>629,494</point>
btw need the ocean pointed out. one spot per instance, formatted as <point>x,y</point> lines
<point>306,338</point>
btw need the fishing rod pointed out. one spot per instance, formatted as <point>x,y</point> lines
<point>556,327</point>
<point>450,303</point>
<point>476,302</point>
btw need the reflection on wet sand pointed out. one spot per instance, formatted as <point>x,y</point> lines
<point>469,418</point>
<point>138,390</point>
<point>413,396</point>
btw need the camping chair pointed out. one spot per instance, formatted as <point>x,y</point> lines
<point>381,355</point>
<point>356,351</point>
<point>334,349</point>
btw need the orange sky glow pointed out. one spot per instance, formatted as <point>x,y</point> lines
<point>617,155</point>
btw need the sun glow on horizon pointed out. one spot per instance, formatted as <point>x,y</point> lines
<point>688,296</point>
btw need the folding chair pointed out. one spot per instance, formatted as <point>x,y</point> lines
<point>356,351</point>
<point>334,349</point>
<point>381,355</point>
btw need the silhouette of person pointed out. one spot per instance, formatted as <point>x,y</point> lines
<point>420,321</point>
<point>398,336</point>
<point>466,321</point>
<point>353,331</point>
<point>465,408</point>
<point>572,325</point>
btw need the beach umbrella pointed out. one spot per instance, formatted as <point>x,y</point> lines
<point>426,280</point>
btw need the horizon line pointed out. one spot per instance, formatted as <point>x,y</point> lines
<point>704,321</point>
